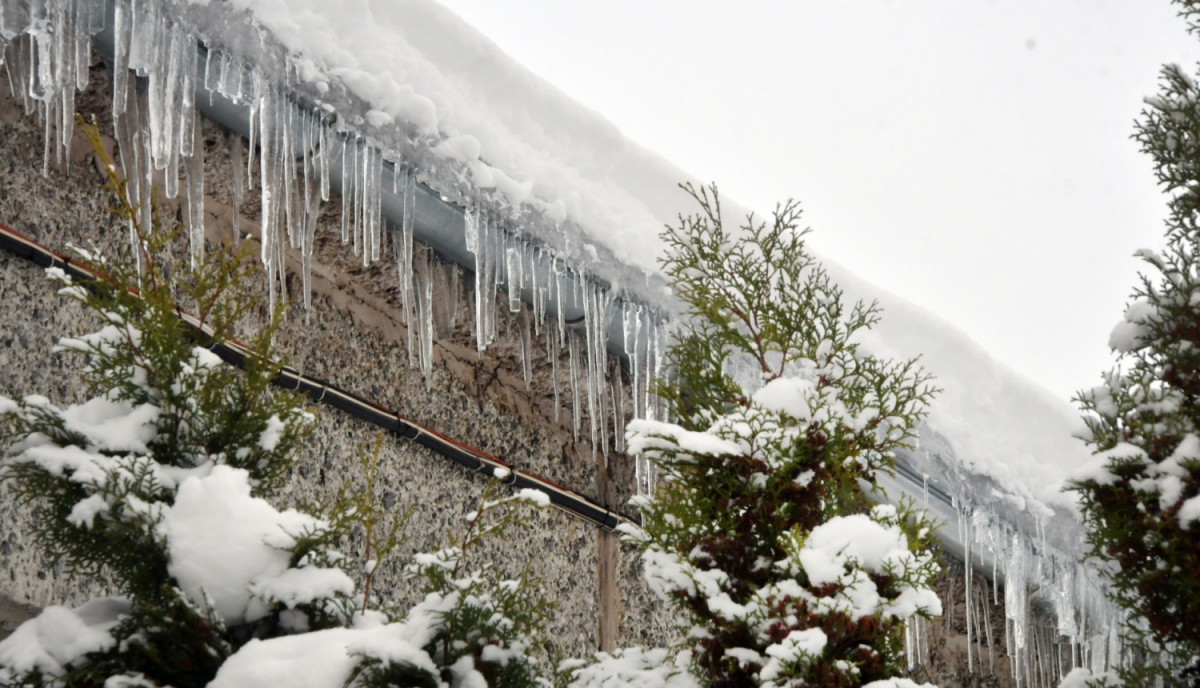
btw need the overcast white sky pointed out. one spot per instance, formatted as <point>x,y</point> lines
<point>973,157</point>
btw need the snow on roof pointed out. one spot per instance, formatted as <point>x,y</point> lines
<point>416,61</point>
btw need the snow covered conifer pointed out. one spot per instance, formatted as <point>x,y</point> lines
<point>788,573</point>
<point>1141,496</point>
<point>156,482</point>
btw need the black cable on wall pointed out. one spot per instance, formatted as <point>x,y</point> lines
<point>322,392</point>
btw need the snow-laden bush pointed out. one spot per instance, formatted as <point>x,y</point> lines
<point>158,484</point>
<point>761,532</point>
<point>1140,495</point>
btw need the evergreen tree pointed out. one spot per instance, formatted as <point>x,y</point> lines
<point>1140,498</point>
<point>170,441</point>
<point>761,534</point>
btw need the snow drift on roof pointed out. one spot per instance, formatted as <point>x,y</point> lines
<point>416,62</point>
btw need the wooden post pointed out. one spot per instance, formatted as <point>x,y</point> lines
<point>607,561</point>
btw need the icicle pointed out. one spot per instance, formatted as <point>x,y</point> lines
<point>232,76</point>
<point>422,270</point>
<point>212,77</point>
<point>349,153</point>
<point>306,173</point>
<point>187,108</point>
<point>269,192</point>
<point>573,356</point>
<point>287,170</point>
<point>908,644</point>
<point>589,363</point>
<point>479,240</point>
<point>325,143</point>
<point>237,171</point>
<point>312,214</point>
<point>987,625</point>
<point>402,248</point>
<point>512,269</point>
<point>361,155</point>
<point>539,298</point>
<point>41,82</point>
<point>374,201</point>
<point>125,128</point>
<point>492,242</point>
<point>617,392</point>
<point>658,337</point>
<point>143,25</point>
<point>89,19</point>
<point>523,319</point>
<point>194,172</point>
<point>252,143</point>
<point>631,325</point>
<point>965,532</point>
<point>552,351</point>
<point>560,303</point>
<point>470,230</point>
<point>155,66</point>
<point>495,258</point>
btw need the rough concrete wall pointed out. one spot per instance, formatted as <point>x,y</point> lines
<point>354,337</point>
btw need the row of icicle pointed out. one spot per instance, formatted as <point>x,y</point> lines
<point>1085,630</point>
<point>295,154</point>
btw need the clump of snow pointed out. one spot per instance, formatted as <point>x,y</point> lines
<point>55,639</point>
<point>1098,465</point>
<point>1080,677</point>
<point>898,683</point>
<point>649,436</point>
<point>317,659</point>
<point>790,395</point>
<point>227,545</point>
<point>269,438</point>
<point>535,497</point>
<point>115,426</point>
<point>843,549</point>
<point>799,647</point>
<point>1189,512</point>
<point>632,667</point>
<point>84,513</point>
<point>324,659</point>
<point>1133,332</point>
<point>303,586</point>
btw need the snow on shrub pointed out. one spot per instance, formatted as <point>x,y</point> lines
<point>759,533</point>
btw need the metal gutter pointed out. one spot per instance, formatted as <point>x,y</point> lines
<point>437,223</point>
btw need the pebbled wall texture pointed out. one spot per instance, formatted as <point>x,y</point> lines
<point>354,337</point>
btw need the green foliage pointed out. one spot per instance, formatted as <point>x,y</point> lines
<point>356,509</point>
<point>1146,413</point>
<point>779,415</point>
<point>481,620</point>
